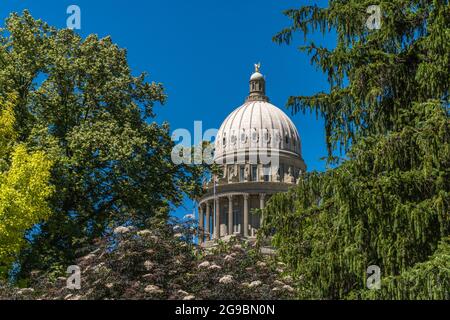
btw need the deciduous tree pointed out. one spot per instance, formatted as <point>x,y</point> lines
<point>24,189</point>
<point>79,102</point>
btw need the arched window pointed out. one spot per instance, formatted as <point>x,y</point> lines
<point>255,136</point>
<point>254,173</point>
<point>267,172</point>
<point>241,173</point>
<point>243,136</point>
<point>266,137</point>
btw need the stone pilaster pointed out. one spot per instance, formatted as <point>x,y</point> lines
<point>230,215</point>
<point>217,222</point>
<point>208,219</point>
<point>262,198</point>
<point>201,228</point>
<point>246,215</point>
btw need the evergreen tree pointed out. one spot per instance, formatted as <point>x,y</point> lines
<point>388,203</point>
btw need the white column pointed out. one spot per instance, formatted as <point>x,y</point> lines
<point>208,230</point>
<point>262,197</point>
<point>201,228</point>
<point>230,215</point>
<point>245,215</point>
<point>217,224</point>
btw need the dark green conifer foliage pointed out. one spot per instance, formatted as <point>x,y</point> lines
<point>388,203</point>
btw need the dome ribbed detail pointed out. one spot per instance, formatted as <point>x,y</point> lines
<point>257,124</point>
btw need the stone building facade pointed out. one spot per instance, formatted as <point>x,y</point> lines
<point>258,149</point>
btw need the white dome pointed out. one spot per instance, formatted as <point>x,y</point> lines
<point>257,124</point>
<point>256,76</point>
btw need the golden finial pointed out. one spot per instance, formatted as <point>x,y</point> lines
<point>257,66</point>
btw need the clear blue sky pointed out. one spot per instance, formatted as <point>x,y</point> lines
<point>203,52</point>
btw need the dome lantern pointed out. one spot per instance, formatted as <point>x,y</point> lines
<point>257,86</point>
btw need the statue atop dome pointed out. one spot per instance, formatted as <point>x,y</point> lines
<point>257,66</point>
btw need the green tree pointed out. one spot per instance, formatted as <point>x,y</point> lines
<point>79,102</point>
<point>24,189</point>
<point>388,203</point>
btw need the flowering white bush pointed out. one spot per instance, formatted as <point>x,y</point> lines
<point>156,263</point>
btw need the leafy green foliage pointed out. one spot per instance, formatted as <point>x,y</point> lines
<point>79,102</point>
<point>426,280</point>
<point>24,189</point>
<point>8,134</point>
<point>373,74</point>
<point>388,204</point>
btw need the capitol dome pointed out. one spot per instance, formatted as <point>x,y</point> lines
<point>258,150</point>
<point>257,124</point>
